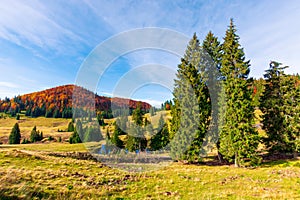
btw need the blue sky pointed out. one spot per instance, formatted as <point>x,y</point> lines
<point>43,43</point>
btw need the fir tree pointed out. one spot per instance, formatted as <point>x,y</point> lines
<point>191,110</point>
<point>137,115</point>
<point>291,109</point>
<point>161,138</point>
<point>238,138</point>
<point>136,139</point>
<point>15,135</point>
<point>115,137</point>
<point>271,105</point>
<point>213,51</point>
<point>136,134</point>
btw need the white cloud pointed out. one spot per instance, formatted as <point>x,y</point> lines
<point>268,29</point>
<point>152,102</point>
<point>8,84</point>
<point>271,32</point>
<point>107,94</point>
<point>25,23</point>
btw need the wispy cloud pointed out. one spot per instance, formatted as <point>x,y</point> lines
<point>155,103</point>
<point>8,84</point>
<point>271,33</point>
<point>28,25</point>
<point>45,41</point>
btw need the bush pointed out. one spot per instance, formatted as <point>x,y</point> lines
<point>75,138</point>
<point>70,127</point>
<point>36,135</point>
<point>50,138</point>
<point>25,141</point>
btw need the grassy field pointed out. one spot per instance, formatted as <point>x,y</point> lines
<point>37,171</point>
<point>28,171</point>
<point>49,127</point>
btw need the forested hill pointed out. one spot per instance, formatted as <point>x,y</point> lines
<point>57,102</point>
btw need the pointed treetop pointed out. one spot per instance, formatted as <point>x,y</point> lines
<point>231,23</point>
<point>192,53</point>
<point>234,63</point>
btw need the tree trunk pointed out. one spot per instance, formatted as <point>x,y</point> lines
<point>295,154</point>
<point>220,156</point>
<point>236,164</point>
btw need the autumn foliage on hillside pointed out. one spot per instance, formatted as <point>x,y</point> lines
<point>57,102</point>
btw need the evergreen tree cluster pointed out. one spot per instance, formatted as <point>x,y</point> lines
<point>192,105</point>
<point>35,135</point>
<point>90,133</point>
<point>280,104</point>
<point>217,75</point>
<point>15,136</point>
<point>138,134</point>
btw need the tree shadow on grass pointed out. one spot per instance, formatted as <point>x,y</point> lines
<point>282,160</point>
<point>7,194</point>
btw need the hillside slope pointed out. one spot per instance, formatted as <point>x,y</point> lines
<point>57,102</point>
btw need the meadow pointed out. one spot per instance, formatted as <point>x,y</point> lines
<point>38,171</point>
<point>49,126</point>
<point>31,172</point>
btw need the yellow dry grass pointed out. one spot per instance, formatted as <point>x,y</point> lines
<point>49,127</point>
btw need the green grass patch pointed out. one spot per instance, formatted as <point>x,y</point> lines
<point>34,174</point>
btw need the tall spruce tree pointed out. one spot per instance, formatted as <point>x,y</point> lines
<point>15,135</point>
<point>271,105</point>
<point>238,138</point>
<point>192,56</point>
<point>213,48</point>
<point>191,110</point>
